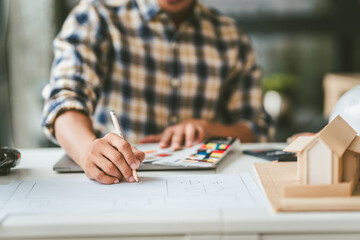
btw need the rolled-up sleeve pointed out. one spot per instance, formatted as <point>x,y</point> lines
<point>243,93</point>
<point>79,66</point>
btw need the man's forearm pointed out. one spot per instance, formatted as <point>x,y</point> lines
<point>239,130</point>
<point>75,133</point>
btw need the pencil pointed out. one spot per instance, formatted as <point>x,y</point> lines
<point>119,132</point>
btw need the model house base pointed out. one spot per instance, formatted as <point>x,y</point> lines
<point>344,189</point>
<point>275,177</point>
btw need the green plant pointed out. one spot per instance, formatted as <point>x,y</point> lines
<point>281,83</point>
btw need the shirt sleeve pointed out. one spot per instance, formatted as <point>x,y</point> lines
<point>243,93</point>
<point>79,66</point>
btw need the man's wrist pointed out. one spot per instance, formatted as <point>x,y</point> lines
<point>239,130</point>
<point>215,129</point>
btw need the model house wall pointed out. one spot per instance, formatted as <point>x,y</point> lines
<point>351,163</point>
<point>319,163</point>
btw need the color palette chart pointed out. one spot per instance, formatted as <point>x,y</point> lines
<point>211,151</point>
<point>206,154</point>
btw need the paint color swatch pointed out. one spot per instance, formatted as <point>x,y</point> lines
<point>211,151</point>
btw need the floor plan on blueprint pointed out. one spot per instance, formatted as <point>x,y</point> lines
<point>215,191</point>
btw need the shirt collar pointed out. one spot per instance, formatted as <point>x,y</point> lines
<point>148,8</point>
<point>197,14</point>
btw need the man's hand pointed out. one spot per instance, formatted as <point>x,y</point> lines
<point>107,160</point>
<point>111,159</point>
<point>194,131</point>
<point>185,133</point>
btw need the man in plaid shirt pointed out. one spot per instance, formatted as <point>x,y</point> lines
<point>174,71</point>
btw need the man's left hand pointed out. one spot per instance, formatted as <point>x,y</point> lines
<point>186,133</point>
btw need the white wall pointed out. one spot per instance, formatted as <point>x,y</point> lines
<point>283,7</point>
<point>29,46</point>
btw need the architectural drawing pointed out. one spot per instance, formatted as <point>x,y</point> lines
<point>213,191</point>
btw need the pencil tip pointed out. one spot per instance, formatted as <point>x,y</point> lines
<point>136,176</point>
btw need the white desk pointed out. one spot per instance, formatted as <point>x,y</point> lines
<point>260,223</point>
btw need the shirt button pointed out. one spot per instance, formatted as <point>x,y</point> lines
<point>175,82</point>
<point>174,119</point>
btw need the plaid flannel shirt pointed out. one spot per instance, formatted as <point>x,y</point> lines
<point>128,57</point>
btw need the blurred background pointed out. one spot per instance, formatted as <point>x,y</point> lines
<point>298,43</point>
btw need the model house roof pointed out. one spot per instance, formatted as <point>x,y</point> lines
<point>300,143</point>
<point>338,135</point>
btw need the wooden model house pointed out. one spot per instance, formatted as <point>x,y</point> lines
<point>328,162</point>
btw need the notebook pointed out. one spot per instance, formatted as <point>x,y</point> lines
<point>206,155</point>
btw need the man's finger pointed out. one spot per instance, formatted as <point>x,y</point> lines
<point>119,161</point>
<point>125,149</point>
<point>200,133</point>
<point>125,170</point>
<point>178,138</point>
<point>138,154</point>
<point>94,173</point>
<point>190,133</point>
<point>107,161</point>
<point>166,138</point>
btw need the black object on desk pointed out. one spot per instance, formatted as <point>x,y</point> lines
<point>9,158</point>
<point>273,154</point>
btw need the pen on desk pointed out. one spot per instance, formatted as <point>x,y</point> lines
<point>119,132</point>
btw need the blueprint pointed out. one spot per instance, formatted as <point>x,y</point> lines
<point>212,191</point>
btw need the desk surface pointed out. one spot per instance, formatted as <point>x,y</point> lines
<point>257,223</point>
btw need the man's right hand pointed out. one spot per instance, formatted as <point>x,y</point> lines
<point>111,159</point>
<point>107,160</point>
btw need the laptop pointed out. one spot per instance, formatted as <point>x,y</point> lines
<point>203,156</point>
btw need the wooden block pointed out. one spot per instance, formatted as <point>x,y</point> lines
<point>331,190</point>
<point>355,145</point>
<point>340,170</point>
<point>302,166</point>
<point>351,162</point>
